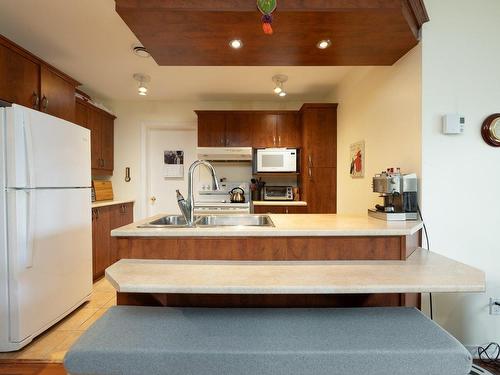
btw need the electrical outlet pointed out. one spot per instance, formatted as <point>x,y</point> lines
<point>494,306</point>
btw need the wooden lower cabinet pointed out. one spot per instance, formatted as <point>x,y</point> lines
<point>280,209</point>
<point>104,247</point>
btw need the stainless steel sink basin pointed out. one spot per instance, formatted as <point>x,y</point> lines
<point>234,220</point>
<point>178,221</point>
<point>172,221</point>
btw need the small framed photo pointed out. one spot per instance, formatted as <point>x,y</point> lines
<point>173,164</point>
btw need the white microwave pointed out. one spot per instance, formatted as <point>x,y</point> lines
<point>276,160</point>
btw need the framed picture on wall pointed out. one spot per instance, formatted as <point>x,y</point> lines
<point>357,153</point>
<point>173,164</point>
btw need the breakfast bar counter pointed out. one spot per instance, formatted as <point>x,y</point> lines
<point>423,272</point>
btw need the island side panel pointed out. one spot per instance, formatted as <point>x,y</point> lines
<point>261,300</point>
<point>264,248</point>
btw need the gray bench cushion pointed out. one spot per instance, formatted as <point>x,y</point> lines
<point>198,341</point>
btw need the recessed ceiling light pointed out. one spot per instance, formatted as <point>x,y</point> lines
<point>140,51</point>
<point>324,44</point>
<point>236,44</point>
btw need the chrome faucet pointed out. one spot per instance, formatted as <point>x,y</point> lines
<point>187,206</point>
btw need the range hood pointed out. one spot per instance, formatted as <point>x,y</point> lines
<point>225,153</point>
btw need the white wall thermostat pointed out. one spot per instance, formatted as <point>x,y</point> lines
<point>453,124</point>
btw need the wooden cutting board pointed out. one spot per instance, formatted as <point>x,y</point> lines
<point>103,190</point>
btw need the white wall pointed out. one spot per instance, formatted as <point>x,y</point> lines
<point>382,106</point>
<point>461,174</point>
<point>133,117</point>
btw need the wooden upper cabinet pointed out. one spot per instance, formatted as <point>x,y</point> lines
<point>57,96</point>
<point>264,130</point>
<point>19,78</point>
<point>211,129</point>
<point>27,80</point>
<point>239,129</point>
<point>256,129</point>
<point>319,123</point>
<point>101,126</point>
<point>288,130</point>
<point>107,145</point>
<point>95,127</point>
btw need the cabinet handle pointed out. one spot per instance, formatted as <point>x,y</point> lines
<point>45,103</point>
<point>286,210</point>
<point>36,100</point>
<point>310,160</point>
<point>279,140</point>
<point>123,209</point>
<point>274,140</point>
<point>310,172</point>
<point>97,213</point>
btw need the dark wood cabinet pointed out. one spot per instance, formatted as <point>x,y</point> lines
<point>288,130</point>
<point>239,129</point>
<point>19,78</point>
<point>280,209</point>
<point>256,129</point>
<point>101,239</point>
<point>319,157</point>
<point>57,94</point>
<point>101,126</point>
<point>264,130</point>
<point>104,247</point>
<point>29,81</point>
<point>211,129</point>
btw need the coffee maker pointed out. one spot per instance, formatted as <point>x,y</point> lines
<point>399,193</point>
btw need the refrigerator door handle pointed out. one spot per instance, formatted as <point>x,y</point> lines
<point>30,228</point>
<point>28,141</point>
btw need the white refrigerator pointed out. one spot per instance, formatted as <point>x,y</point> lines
<point>45,222</point>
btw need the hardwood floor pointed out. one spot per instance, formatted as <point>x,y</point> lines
<point>32,369</point>
<point>58,369</point>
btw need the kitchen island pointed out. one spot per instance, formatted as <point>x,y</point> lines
<point>299,237</point>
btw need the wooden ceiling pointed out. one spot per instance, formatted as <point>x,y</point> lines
<point>197,32</point>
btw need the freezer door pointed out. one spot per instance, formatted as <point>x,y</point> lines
<point>45,151</point>
<point>50,256</point>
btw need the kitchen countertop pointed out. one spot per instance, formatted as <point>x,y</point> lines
<point>279,203</point>
<point>286,225</point>
<point>113,202</point>
<point>422,272</point>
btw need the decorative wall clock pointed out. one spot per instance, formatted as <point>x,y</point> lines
<point>491,130</point>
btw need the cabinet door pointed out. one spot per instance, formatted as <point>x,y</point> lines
<point>19,79</point>
<point>320,136</point>
<point>211,129</point>
<point>57,95</point>
<point>239,129</point>
<point>288,130</point>
<point>121,214</point>
<point>95,127</point>
<point>264,130</point>
<point>107,144</point>
<point>296,210</point>
<point>82,115</point>
<point>269,209</point>
<point>321,190</point>
<point>102,249</point>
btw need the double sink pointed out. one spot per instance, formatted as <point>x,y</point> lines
<point>211,221</point>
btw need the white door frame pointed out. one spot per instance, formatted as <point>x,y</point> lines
<point>144,166</point>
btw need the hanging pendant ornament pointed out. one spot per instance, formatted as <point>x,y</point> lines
<point>267,7</point>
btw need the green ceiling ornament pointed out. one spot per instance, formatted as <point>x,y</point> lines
<point>267,7</point>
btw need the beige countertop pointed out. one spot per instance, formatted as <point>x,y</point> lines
<point>423,272</point>
<point>279,203</point>
<point>286,225</point>
<point>111,203</point>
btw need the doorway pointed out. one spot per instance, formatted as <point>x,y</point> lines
<point>162,181</point>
